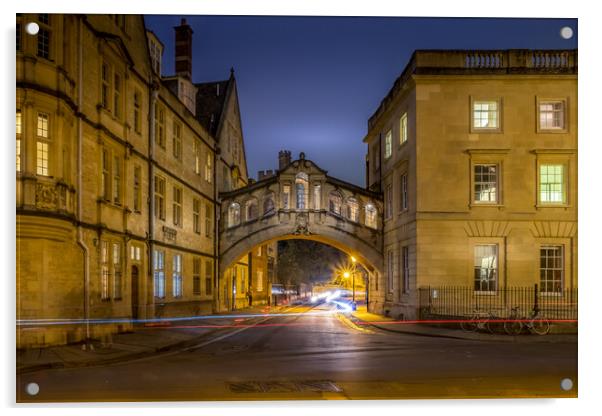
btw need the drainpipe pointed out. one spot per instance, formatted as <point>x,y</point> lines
<point>154,92</point>
<point>80,180</point>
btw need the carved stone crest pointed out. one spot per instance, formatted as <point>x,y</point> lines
<point>302,224</point>
<point>46,196</point>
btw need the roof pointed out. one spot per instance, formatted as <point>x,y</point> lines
<point>210,100</point>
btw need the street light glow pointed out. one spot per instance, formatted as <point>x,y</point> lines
<point>353,259</point>
<point>346,275</point>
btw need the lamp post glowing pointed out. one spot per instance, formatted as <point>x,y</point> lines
<point>353,260</point>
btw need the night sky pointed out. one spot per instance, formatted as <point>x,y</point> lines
<point>311,83</point>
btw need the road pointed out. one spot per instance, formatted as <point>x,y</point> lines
<point>311,356</point>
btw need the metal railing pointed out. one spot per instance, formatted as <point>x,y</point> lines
<point>462,301</point>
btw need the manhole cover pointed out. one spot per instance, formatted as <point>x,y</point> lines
<point>316,386</point>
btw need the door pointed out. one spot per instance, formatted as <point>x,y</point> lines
<point>134,292</point>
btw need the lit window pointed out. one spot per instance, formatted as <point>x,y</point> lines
<point>551,269</point>
<point>135,253</point>
<point>137,188</point>
<point>388,144</point>
<point>208,220</point>
<point>117,270</point>
<point>159,197</point>
<point>551,184</point>
<point>177,276</point>
<point>196,216</point>
<point>104,270</point>
<point>403,128</point>
<point>486,183</point>
<point>353,210</point>
<point>302,189</point>
<point>551,115</point>
<point>370,213</point>
<point>259,283</point>
<point>177,206</point>
<point>42,148</point>
<point>485,268</point>
<point>196,151</point>
<point>117,180</point>
<point>485,115</point>
<point>159,273</point>
<point>159,125</point>
<point>19,128</point>
<point>334,203</point>
<point>208,169</point>
<point>117,96</point>
<point>234,214</point>
<point>43,125</point>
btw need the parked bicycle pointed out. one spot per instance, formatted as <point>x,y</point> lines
<point>535,323</point>
<point>480,321</point>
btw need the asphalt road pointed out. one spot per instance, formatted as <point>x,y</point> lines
<point>311,356</point>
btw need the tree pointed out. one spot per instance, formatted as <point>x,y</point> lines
<point>305,261</point>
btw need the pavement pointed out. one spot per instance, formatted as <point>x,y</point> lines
<point>362,318</point>
<point>146,340</point>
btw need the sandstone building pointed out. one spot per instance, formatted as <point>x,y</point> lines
<point>476,155</point>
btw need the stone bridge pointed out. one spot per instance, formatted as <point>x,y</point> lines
<point>301,201</point>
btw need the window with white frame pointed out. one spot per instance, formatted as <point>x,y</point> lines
<point>485,267</point>
<point>353,210</point>
<point>485,114</point>
<point>334,203</point>
<point>405,269</point>
<point>486,183</point>
<point>43,145</point>
<point>551,269</point>
<point>177,276</point>
<point>135,252</point>
<point>208,168</point>
<point>234,214</point>
<point>117,271</point>
<point>370,215</point>
<point>105,273</point>
<point>159,273</point>
<point>177,206</point>
<point>552,186</point>
<point>403,128</point>
<point>19,128</point>
<point>160,197</point>
<point>196,276</point>
<point>388,144</point>
<point>551,115</point>
<point>404,192</point>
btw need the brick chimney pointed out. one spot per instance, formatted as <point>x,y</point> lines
<point>284,159</point>
<point>184,50</point>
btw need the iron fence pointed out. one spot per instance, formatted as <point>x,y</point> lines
<point>462,301</point>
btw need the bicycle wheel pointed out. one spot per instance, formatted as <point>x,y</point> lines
<point>469,325</point>
<point>513,327</point>
<point>492,325</point>
<point>539,326</point>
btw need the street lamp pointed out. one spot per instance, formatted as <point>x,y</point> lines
<point>353,260</point>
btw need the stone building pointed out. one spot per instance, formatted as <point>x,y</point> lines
<point>476,154</point>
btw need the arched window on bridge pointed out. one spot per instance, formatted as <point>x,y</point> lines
<point>353,210</point>
<point>268,204</point>
<point>334,202</point>
<point>251,209</point>
<point>317,196</point>
<point>302,190</point>
<point>234,214</point>
<point>370,212</point>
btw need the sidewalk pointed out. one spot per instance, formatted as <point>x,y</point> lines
<point>362,317</point>
<point>146,340</point>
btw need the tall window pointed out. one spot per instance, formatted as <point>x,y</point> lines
<point>404,192</point>
<point>551,270</point>
<point>177,206</point>
<point>106,175</point>
<point>334,203</point>
<point>551,115</point>
<point>370,213</point>
<point>552,186</point>
<point>485,267</point>
<point>196,215</point>
<point>268,204</point>
<point>251,209</point>
<point>317,196</point>
<point>259,282</point>
<point>160,197</point>
<point>390,266</point>
<point>104,270</point>
<point>159,125</point>
<point>196,276</point>
<point>208,277</point>
<point>405,269</point>
<point>388,144</point>
<point>388,201</point>
<point>43,144</point>
<point>302,190</point>
<point>117,282</point>
<point>137,188</point>
<point>208,169</point>
<point>117,95</point>
<point>137,112</point>
<point>106,86</point>
<point>486,183</point>
<point>177,140</point>
<point>159,273</point>
<point>208,220</point>
<point>403,128</point>
<point>19,128</point>
<point>196,151</point>
<point>286,196</point>
<point>117,180</point>
<point>485,115</point>
<point>353,210</point>
<point>234,214</point>
<point>135,253</point>
<point>177,276</point>
<point>44,36</point>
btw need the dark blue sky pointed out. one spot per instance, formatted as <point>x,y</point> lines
<point>311,83</point>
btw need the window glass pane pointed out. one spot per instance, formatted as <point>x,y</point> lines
<point>551,183</point>
<point>485,114</point>
<point>485,267</point>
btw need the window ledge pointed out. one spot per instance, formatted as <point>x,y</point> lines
<point>489,293</point>
<point>480,205</point>
<point>552,131</point>
<point>565,206</point>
